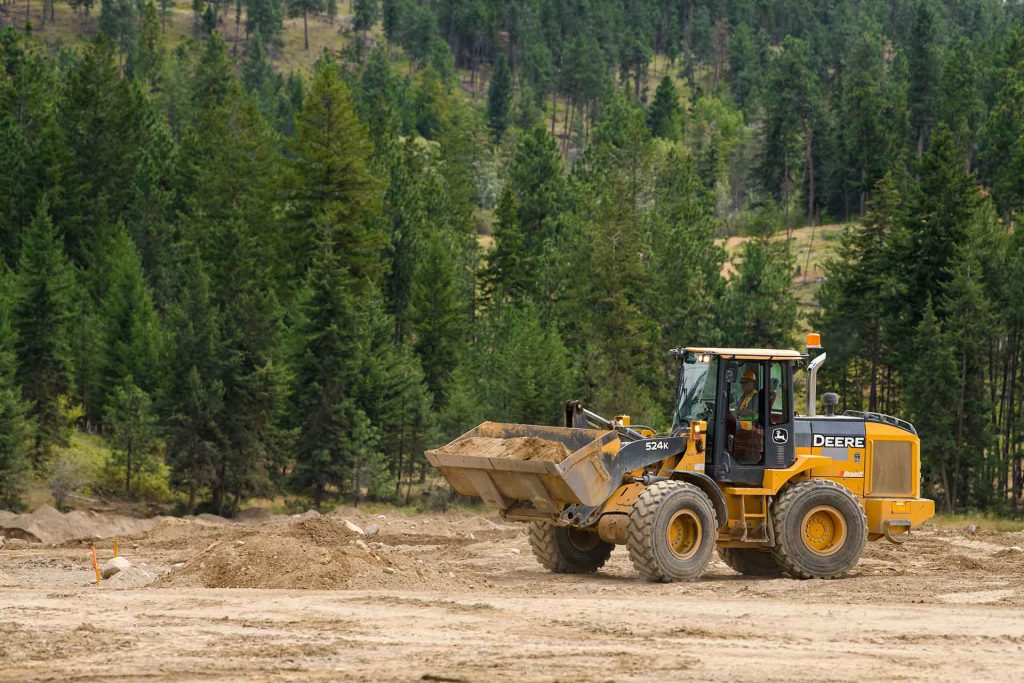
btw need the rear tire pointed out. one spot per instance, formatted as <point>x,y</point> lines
<point>672,532</point>
<point>750,561</point>
<point>568,550</point>
<point>820,530</point>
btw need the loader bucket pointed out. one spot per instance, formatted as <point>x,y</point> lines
<point>532,488</point>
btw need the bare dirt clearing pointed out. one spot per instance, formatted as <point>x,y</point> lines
<point>459,597</point>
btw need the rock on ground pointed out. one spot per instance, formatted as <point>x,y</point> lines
<point>113,566</point>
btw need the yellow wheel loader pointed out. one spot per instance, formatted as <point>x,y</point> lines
<point>775,492</point>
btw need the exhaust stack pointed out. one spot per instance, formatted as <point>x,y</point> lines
<point>813,344</point>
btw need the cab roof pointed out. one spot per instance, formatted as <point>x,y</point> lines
<point>753,354</point>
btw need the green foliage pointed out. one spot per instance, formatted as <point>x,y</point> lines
<point>333,189</point>
<point>334,435</point>
<point>265,19</point>
<point>528,213</point>
<point>759,305</point>
<point>437,317</point>
<point>296,267</point>
<point>364,14</point>
<point>132,432</point>
<point>15,429</point>
<point>664,116</point>
<point>499,99</point>
<point>41,318</point>
<point>130,337</point>
<point>193,405</point>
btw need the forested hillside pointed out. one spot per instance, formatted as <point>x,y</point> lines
<point>274,246</point>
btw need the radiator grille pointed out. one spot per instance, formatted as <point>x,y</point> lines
<point>892,469</point>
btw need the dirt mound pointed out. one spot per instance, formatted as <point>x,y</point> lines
<point>518,448</point>
<point>47,525</point>
<point>316,553</point>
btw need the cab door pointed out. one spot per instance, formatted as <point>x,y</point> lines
<point>779,450</point>
<point>741,407</point>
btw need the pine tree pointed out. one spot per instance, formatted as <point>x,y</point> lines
<point>519,368</point>
<point>968,316</point>
<point>406,206</point>
<point>332,185</point>
<point>145,58</point>
<point>407,421</point>
<point>499,99</point>
<point>41,318</point>
<point>608,226</point>
<point>212,74</point>
<point>194,397</point>
<point>930,392</point>
<point>528,212</point>
<point>392,14</point>
<point>15,429</point>
<point>264,18</point>
<point>745,70</point>
<point>33,149</point>
<point>664,116</point>
<point>132,430</point>
<point>866,127</point>
<point>941,210</point>
<point>791,99</point>
<point>364,14</point>
<point>437,317</point>
<point>303,8</point>
<point>251,369</point>
<point>151,218</point>
<point>236,174</point>
<point>333,431</point>
<point>863,292</point>
<point>130,337</point>
<point>1003,153</point>
<point>762,312</point>
<point>925,72</point>
<point>101,116</point>
<point>686,260</point>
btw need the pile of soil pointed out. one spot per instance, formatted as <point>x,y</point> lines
<point>315,553</point>
<point>47,525</point>
<point>517,448</point>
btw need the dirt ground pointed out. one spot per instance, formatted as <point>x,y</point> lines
<point>458,597</point>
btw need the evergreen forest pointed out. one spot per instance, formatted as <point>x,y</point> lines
<point>242,260</point>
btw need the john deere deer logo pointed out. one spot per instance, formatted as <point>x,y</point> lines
<point>780,435</point>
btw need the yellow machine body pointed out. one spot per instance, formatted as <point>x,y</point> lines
<point>884,475</point>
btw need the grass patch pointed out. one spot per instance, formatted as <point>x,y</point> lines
<point>985,521</point>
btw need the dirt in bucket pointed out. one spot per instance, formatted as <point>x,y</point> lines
<point>518,448</point>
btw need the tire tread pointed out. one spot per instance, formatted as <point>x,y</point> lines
<point>780,515</point>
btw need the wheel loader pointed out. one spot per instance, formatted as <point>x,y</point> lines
<point>777,493</point>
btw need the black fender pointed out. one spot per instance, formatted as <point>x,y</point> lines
<point>708,486</point>
<point>636,455</point>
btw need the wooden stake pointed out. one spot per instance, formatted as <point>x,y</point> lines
<point>115,546</point>
<point>96,565</point>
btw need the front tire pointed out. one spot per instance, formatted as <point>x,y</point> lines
<point>820,530</point>
<point>750,561</point>
<point>672,532</point>
<point>568,550</point>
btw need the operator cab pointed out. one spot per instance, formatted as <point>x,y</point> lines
<point>746,398</point>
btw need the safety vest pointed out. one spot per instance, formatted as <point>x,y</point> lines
<point>744,404</point>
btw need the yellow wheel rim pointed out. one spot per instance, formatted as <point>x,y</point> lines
<point>684,534</point>
<point>824,530</point>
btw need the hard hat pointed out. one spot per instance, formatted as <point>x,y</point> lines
<point>748,376</point>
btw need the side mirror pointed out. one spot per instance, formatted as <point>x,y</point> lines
<point>730,372</point>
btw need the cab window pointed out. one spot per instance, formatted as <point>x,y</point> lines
<point>778,393</point>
